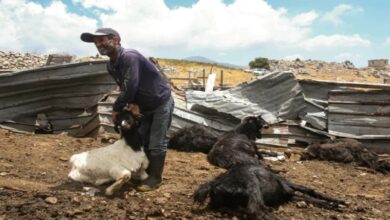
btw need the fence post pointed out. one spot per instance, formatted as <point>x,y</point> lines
<point>189,79</point>
<point>204,78</point>
<point>221,85</point>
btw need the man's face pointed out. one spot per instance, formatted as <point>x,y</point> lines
<point>106,45</point>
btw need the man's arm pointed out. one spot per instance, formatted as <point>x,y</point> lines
<point>129,86</point>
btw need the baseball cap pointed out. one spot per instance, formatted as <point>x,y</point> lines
<point>90,37</point>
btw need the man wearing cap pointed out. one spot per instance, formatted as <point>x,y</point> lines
<point>144,91</point>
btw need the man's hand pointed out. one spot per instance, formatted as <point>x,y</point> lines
<point>134,109</point>
<point>113,116</point>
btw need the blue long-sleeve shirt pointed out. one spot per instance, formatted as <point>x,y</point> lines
<point>139,80</point>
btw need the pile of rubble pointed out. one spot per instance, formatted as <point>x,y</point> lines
<point>11,61</point>
<point>344,71</point>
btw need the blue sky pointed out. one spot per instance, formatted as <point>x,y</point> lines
<point>233,31</point>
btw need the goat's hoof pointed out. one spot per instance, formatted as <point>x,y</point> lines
<point>109,192</point>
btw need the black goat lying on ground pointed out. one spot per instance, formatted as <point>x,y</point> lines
<point>346,151</point>
<point>238,146</point>
<point>255,189</point>
<point>196,138</point>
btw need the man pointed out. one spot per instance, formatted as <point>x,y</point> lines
<point>143,91</point>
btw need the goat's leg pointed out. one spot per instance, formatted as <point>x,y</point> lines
<point>313,193</point>
<point>123,178</point>
<point>256,209</point>
<point>317,202</point>
<point>140,174</point>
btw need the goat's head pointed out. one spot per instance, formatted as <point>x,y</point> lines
<point>126,121</point>
<point>253,125</point>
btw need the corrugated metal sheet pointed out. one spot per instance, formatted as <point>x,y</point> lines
<point>66,93</point>
<point>182,117</point>
<point>360,114</point>
<point>277,96</point>
<point>316,97</point>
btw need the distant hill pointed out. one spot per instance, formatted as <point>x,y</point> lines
<point>207,60</point>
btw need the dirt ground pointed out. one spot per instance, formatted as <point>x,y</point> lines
<point>34,185</point>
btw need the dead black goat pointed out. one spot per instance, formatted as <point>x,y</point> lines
<point>253,189</point>
<point>346,151</point>
<point>197,138</point>
<point>238,146</point>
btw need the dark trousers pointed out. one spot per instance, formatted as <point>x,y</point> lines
<point>155,125</point>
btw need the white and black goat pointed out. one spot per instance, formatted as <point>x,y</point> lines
<point>119,162</point>
<point>346,151</point>
<point>238,146</point>
<point>254,189</point>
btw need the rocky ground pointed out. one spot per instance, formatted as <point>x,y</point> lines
<point>34,185</point>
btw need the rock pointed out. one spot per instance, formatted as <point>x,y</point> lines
<point>74,212</point>
<point>91,190</point>
<point>161,200</point>
<point>51,200</point>
<point>349,216</point>
<point>376,211</point>
<point>63,158</point>
<point>301,204</point>
<point>76,200</point>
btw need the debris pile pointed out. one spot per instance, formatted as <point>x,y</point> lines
<point>20,61</point>
<point>344,71</point>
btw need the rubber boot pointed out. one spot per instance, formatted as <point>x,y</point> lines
<point>155,170</point>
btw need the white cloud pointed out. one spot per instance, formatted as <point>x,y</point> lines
<point>33,28</point>
<point>207,26</point>
<point>335,15</point>
<point>329,42</point>
<point>305,19</point>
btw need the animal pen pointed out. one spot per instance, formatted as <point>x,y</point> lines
<point>77,99</point>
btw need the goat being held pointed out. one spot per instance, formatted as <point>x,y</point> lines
<point>346,151</point>
<point>238,146</point>
<point>254,189</point>
<point>118,162</point>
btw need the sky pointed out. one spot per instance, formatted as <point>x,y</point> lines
<point>230,31</point>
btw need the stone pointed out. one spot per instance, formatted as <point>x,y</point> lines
<point>301,204</point>
<point>51,200</point>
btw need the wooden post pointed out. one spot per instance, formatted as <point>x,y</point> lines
<point>204,78</point>
<point>221,85</point>
<point>189,79</point>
